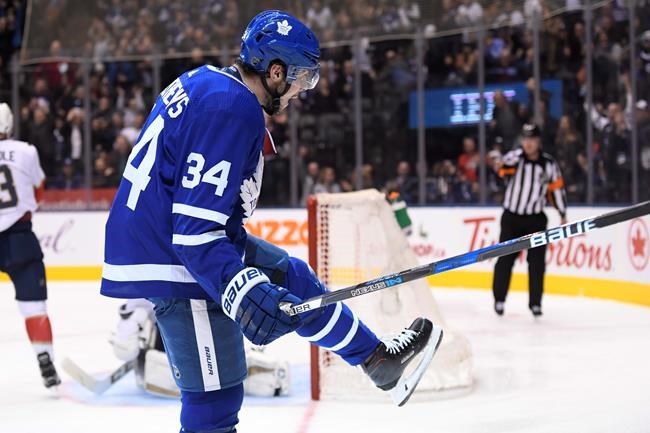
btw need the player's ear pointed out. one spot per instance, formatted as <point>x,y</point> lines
<point>276,73</point>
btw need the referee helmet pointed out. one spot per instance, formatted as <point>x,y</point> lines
<point>530,130</point>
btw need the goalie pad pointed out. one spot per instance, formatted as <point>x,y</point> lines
<point>267,377</point>
<point>158,378</point>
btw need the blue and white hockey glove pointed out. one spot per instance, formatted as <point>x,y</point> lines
<point>253,302</point>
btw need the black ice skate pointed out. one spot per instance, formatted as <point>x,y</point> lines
<point>48,372</point>
<point>387,364</point>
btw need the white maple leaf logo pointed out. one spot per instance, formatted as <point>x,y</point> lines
<point>250,190</point>
<point>284,27</point>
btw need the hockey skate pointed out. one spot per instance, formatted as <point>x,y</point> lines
<point>48,372</point>
<point>387,364</point>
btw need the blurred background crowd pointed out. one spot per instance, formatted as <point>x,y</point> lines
<point>134,48</point>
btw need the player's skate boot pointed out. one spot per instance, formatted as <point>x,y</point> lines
<point>48,372</point>
<point>387,364</point>
<point>536,310</point>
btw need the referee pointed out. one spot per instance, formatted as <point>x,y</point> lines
<point>532,178</point>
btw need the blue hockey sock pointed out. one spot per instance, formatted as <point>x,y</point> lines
<point>341,331</point>
<point>211,412</point>
<point>335,327</point>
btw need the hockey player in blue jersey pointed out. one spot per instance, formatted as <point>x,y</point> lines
<point>175,233</point>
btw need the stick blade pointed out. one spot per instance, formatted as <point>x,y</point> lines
<point>86,380</point>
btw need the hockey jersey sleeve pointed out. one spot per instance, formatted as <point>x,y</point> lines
<point>223,148</point>
<point>37,174</point>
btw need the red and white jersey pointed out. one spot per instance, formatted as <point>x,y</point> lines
<point>20,173</point>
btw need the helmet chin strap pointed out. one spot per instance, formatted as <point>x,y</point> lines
<point>276,96</point>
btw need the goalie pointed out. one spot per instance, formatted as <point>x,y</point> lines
<point>137,338</point>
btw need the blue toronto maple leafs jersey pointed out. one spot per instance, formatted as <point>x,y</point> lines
<point>175,228</point>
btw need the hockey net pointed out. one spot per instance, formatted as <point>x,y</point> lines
<point>354,237</point>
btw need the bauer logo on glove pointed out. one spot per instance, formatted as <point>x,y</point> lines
<point>238,287</point>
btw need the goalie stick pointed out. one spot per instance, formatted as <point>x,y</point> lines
<point>501,249</point>
<point>92,384</point>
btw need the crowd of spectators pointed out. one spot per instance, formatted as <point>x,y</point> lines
<point>124,32</point>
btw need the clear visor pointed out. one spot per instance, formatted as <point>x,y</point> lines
<point>305,78</point>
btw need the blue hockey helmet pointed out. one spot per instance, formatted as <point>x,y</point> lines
<point>275,35</point>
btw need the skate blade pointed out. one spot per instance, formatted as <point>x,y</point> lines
<point>406,385</point>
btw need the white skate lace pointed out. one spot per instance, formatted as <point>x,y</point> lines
<point>398,343</point>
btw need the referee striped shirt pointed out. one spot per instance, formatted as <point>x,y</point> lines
<point>532,184</point>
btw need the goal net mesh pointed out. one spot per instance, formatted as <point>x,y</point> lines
<point>354,237</point>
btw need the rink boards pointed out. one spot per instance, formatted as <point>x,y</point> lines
<point>612,263</point>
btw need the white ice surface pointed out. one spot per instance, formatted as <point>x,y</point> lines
<point>584,367</point>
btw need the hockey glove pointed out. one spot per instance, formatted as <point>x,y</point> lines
<point>253,302</point>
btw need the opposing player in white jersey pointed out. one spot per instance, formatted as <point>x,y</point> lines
<point>20,252</point>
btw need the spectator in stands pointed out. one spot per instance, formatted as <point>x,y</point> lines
<point>505,70</point>
<point>436,185</point>
<point>495,186</point>
<point>505,120</point>
<point>368,177</point>
<point>577,179</point>
<point>323,100</point>
<point>74,136</point>
<point>311,178</point>
<point>102,136</point>
<point>616,156</point>
<point>120,154</point>
<point>405,183</point>
<point>68,178</point>
<point>549,126</point>
<point>468,161</point>
<point>104,174</point>
<point>130,106</point>
<point>40,134</point>
<point>349,184</point>
<point>644,70</point>
<point>319,16</point>
<point>568,142</point>
<point>327,181</point>
<point>59,140</point>
<point>132,131</point>
<point>469,13</point>
<point>444,185</point>
<point>122,89</point>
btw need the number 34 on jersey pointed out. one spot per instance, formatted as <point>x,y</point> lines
<point>140,176</point>
<point>196,171</point>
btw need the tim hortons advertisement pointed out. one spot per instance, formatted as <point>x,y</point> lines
<point>620,252</point>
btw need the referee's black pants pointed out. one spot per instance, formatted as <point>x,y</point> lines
<point>514,226</point>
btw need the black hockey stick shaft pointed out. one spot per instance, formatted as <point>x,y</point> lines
<point>501,249</point>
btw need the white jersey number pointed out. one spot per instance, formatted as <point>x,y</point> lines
<point>217,175</point>
<point>139,176</point>
<point>8,196</point>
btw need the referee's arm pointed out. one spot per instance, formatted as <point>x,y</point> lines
<point>556,193</point>
<point>508,166</point>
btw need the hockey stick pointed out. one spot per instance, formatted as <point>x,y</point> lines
<point>96,386</point>
<point>501,249</point>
